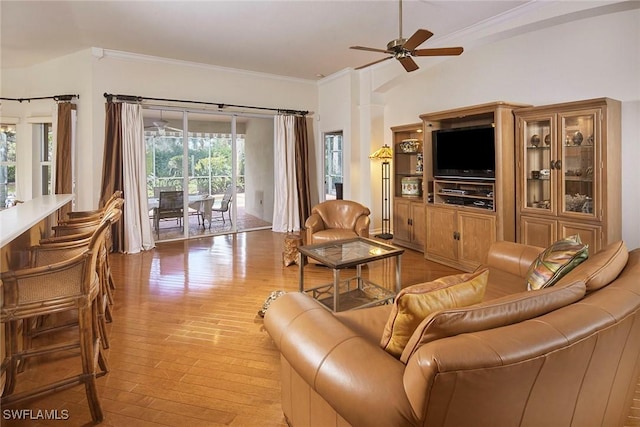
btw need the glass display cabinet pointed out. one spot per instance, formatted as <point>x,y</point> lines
<point>568,172</point>
<point>577,162</point>
<point>538,162</point>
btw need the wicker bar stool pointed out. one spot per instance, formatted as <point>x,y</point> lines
<point>59,249</point>
<point>69,287</point>
<point>73,229</point>
<point>41,256</point>
<point>93,214</point>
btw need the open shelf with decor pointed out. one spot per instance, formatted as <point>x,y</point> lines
<point>409,186</point>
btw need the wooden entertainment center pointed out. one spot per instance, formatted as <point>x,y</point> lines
<point>454,220</point>
<point>459,235</point>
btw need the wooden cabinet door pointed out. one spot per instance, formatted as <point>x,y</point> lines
<point>476,234</point>
<point>537,231</point>
<point>401,215</point>
<point>441,225</point>
<point>418,224</point>
<point>589,234</point>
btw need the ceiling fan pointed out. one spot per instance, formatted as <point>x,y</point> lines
<point>161,125</point>
<point>403,49</point>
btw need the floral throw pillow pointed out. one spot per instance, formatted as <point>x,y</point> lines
<point>556,261</point>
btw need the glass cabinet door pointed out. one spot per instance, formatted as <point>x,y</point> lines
<point>539,145</point>
<point>578,162</point>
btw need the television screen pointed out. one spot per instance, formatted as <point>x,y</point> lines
<point>464,152</point>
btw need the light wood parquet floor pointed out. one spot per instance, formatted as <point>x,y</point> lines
<point>187,346</point>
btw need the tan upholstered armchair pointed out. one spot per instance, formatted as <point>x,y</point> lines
<point>335,220</point>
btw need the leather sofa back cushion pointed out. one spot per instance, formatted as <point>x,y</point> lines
<point>414,303</point>
<point>556,261</point>
<point>492,314</point>
<point>601,269</point>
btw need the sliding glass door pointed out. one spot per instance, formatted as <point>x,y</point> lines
<point>227,178</point>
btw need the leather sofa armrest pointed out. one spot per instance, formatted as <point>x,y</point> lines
<point>348,371</point>
<point>514,258</point>
<point>362,226</point>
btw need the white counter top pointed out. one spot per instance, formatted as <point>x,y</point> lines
<point>20,218</point>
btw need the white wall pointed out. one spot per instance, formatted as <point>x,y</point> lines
<point>92,72</point>
<point>69,74</point>
<point>334,104</point>
<point>589,57</point>
<point>258,177</point>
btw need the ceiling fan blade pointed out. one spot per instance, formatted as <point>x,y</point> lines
<point>374,62</point>
<point>417,39</point>
<point>440,51</point>
<point>370,49</point>
<point>408,63</point>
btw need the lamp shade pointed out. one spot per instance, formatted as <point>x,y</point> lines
<point>382,153</point>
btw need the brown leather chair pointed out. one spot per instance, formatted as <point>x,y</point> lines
<point>337,220</point>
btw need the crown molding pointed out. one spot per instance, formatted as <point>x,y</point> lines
<point>101,53</point>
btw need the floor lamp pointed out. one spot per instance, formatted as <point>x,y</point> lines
<point>385,154</point>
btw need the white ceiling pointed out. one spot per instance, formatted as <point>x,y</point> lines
<point>296,38</point>
<point>304,39</point>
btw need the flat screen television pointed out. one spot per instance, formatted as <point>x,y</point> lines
<point>464,152</point>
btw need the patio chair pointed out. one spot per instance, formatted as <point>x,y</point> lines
<point>158,190</point>
<point>170,206</point>
<point>224,205</point>
<point>203,209</point>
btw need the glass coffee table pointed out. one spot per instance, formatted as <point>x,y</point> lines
<point>356,291</point>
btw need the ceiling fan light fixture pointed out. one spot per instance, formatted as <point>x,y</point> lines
<point>395,45</point>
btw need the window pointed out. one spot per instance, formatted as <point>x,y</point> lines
<point>44,135</point>
<point>7,165</point>
<point>333,165</point>
<point>225,153</point>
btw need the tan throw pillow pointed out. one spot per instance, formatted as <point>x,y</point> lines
<point>416,302</point>
<point>491,314</point>
<point>602,268</point>
<point>556,261</point>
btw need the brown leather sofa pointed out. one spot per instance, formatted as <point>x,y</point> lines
<point>563,356</point>
<point>335,220</point>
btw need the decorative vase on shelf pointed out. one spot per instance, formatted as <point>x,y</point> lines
<point>419,163</point>
<point>577,138</point>
<point>535,140</point>
<point>411,187</point>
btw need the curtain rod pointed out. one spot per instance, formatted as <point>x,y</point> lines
<point>133,98</point>
<point>56,98</point>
